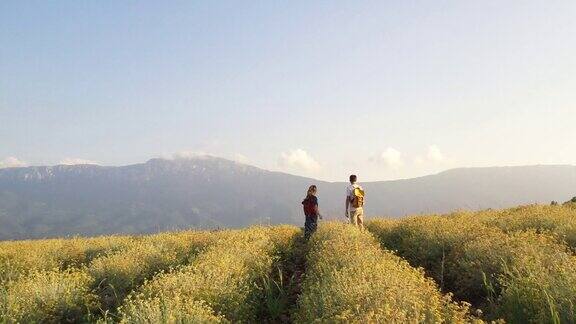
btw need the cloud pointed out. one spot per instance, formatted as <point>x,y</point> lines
<point>12,162</point>
<point>419,160</point>
<point>241,158</point>
<point>191,155</point>
<point>76,161</point>
<point>300,160</point>
<point>435,155</point>
<point>391,158</point>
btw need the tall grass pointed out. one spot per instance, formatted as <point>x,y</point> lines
<point>514,264</point>
<point>88,291</point>
<point>559,220</point>
<point>349,279</point>
<point>429,242</point>
<point>48,297</point>
<point>54,254</point>
<point>523,276</point>
<point>530,275</point>
<point>282,286</point>
<point>116,275</point>
<point>226,278</point>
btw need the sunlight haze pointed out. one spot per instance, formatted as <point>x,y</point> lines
<point>384,89</point>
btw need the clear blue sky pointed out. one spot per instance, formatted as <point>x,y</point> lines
<point>385,89</point>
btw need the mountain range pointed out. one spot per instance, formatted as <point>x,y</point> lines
<point>210,192</point>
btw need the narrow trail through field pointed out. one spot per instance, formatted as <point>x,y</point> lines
<point>296,272</point>
<point>350,278</point>
<point>287,275</point>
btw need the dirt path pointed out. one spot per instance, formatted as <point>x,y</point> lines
<point>285,284</point>
<point>296,271</point>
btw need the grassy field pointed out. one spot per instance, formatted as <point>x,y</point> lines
<point>515,265</point>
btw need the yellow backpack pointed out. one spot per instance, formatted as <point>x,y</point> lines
<point>358,199</point>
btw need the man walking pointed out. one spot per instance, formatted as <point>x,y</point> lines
<point>355,203</point>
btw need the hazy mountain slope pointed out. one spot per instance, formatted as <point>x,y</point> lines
<point>213,192</point>
<point>473,188</point>
<point>157,195</point>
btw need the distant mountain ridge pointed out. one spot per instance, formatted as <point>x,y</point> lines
<point>210,192</point>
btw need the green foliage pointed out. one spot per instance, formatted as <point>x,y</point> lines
<point>426,242</point>
<point>172,311</point>
<point>116,275</point>
<point>557,220</point>
<point>227,276</point>
<point>515,264</point>
<point>48,297</point>
<point>511,263</point>
<point>54,254</point>
<point>350,279</point>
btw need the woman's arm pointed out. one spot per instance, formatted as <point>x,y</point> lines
<point>317,211</point>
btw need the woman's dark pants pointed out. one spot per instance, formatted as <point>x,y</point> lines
<point>310,226</point>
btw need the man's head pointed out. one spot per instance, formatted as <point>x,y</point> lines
<point>353,178</point>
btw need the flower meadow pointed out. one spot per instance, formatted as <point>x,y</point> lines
<point>350,279</point>
<point>515,265</point>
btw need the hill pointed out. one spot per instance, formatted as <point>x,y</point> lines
<point>210,192</point>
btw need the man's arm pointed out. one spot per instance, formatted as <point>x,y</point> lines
<point>347,205</point>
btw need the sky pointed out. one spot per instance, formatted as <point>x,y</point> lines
<point>383,89</point>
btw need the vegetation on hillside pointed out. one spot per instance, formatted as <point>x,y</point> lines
<point>19,258</point>
<point>349,279</point>
<point>224,281</point>
<point>515,265</point>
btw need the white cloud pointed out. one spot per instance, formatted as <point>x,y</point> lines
<point>300,160</point>
<point>12,162</point>
<point>241,158</point>
<point>76,161</point>
<point>419,160</point>
<point>391,158</point>
<point>191,155</point>
<point>435,155</point>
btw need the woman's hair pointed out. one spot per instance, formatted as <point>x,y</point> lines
<point>311,190</point>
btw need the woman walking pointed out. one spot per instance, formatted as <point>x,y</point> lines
<point>311,211</point>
